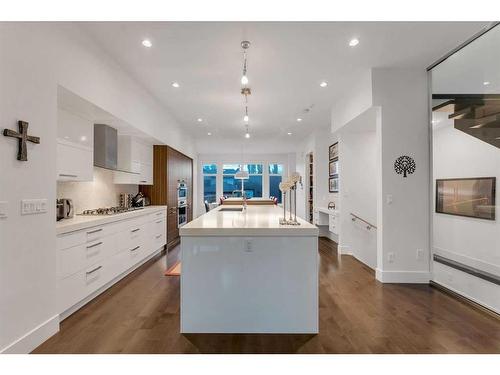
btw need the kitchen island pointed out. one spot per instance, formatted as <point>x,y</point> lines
<point>243,272</point>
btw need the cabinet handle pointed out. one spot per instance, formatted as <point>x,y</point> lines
<point>94,245</point>
<point>159,222</point>
<point>67,175</point>
<point>159,213</point>
<point>135,230</point>
<point>158,236</point>
<point>94,231</point>
<point>143,181</point>
<point>135,248</point>
<point>95,269</point>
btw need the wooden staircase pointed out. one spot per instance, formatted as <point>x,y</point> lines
<point>476,115</point>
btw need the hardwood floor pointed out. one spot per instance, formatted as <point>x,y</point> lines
<point>357,315</point>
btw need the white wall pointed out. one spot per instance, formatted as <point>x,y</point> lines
<point>34,59</point>
<point>402,129</point>
<point>286,159</point>
<point>474,242</point>
<point>358,188</point>
<point>352,102</point>
<point>403,224</point>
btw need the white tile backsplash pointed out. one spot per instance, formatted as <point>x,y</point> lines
<point>101,192</point>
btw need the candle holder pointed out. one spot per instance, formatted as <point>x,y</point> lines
<point>291,187</point>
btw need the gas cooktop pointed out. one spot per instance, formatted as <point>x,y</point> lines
<point>109,211</point>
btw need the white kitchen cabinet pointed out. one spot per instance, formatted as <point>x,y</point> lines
<point>94,258</point>
<point>135,162</point>
<point>75,155</point>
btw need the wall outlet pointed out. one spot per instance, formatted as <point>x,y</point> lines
<point>420,254</point>
<point>390,257</point>
<point>33,206</point>
<point>248,246</point>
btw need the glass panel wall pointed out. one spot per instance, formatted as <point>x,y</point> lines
<point>465,169</point>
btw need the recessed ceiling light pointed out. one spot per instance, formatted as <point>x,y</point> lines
<point>354,42</point>
<point>247,135</point>
<point>147,43</point>
<point>486,83</point>
<point>299,119</point>
<point>289,133</point>
<point>323,84</point>
<point>175,84</point>
<point>209,134</point>
<point>200,119</point>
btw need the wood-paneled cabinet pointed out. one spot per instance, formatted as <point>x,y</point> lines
<point>169,168</point>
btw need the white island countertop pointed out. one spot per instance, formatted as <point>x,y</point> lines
<point>79,222</point>
<point>256,220</point>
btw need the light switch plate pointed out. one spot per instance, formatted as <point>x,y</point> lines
<point>4,209</point>
<point>33,206</point>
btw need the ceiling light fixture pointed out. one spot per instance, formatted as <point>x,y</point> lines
<point>245,45</point>
<point>486,83</point>
<point>200,119</point>
<point>245,90</point>
<point>209,134</point>
<point>246,118</point>
<point>354,42</point>
<point>147,43</point>
<point>175,84</point>
<point>323,84</point>
<point>289,133</point>
<point>299,119</point>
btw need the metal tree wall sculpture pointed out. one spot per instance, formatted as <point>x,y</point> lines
<point>405,165</point>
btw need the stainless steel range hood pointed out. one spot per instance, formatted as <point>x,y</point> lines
<point>105,146</point>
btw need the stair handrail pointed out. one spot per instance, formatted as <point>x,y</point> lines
<point>369,226</point>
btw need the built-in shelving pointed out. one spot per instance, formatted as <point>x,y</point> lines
<point>310,189</point>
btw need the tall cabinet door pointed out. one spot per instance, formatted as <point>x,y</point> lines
<point>172,180</point>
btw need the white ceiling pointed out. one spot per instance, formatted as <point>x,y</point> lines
<point>286,63</point>
<point>472,70</point>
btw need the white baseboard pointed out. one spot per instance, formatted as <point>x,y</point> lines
<point>26,343</point>
<point>344,249</point>
<point>403,277</point>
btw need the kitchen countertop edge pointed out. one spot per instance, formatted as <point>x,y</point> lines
<point>79,222</point>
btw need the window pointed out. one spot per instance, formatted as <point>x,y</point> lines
<point>209,182</point>
<point>275,177</point>
<point>252,186</point>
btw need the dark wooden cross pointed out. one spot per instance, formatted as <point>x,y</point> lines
<point>22,137</point>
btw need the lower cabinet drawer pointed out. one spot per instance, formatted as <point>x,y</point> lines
<point>131,237</point>
<point>78,286</point>
<point>82,256</point>
<point>332,225</point>
<point>128,258</point>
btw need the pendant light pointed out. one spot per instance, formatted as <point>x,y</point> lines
<point>245,90</point>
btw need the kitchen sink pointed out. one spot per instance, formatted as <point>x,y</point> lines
<point>231,209</point>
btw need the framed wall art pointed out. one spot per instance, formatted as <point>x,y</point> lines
<point>333,168</point>
<point>470,197</point>
<point>333,184</point>
<point>333,151</point>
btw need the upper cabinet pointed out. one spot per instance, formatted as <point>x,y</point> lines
<point>75,138</point>
<point>135,161</point>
